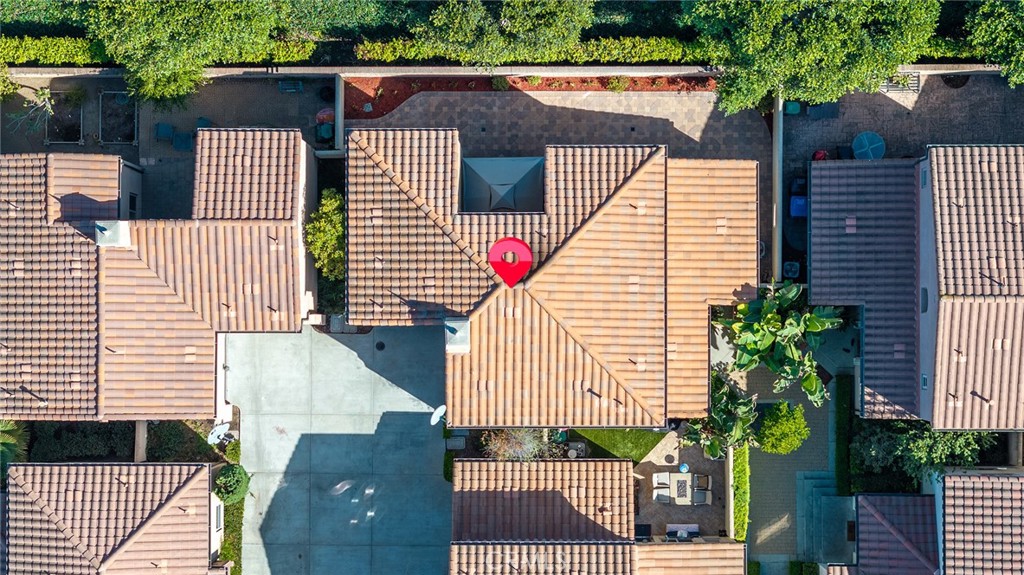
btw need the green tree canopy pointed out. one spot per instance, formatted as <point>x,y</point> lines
<point>325,235</point>
<point>164,46</point>
<point>493,33</point>
<point>996,29</point>
<point>13,444</point>
<point>808,49</point>
<point>783,429</point>
<point>914,447</point>
<point>729,423</point>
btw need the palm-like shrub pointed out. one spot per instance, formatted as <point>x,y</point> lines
<point>783,429</point>
<point>518,444</point>
<point>780,332</point>
<point>729,423</point>
<point>13,444</point>
<point>232,484</point>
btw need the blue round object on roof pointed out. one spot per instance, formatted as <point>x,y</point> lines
<point>683,468</point>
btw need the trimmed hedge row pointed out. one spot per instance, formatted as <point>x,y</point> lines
<point>627,50</point>
<point>64,51</point>
<point>741,491</point>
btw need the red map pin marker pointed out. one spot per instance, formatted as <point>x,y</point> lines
<point>510,272</point>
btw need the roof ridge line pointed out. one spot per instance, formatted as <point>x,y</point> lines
<point>63,528</point>
<point>403,186</point>
<point>917,553</point>
<point>156,274</point>
<point>153,516</point>
<point>633,394</point>
<point>562,248</point>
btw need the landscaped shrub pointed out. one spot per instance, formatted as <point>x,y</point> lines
<point>232,484</point>
<point>912,447</point>
<point>13,444</point>
<point>627,50</point>
<point>518,444</point>
<point>500,83</point>
<point>54,442</point>
<point>286,51</point>
<point>233,452</point>
<point>783,429</point>
<point>617,83</point>
<point>534,80</point>
<point>740,491</point>
<point>753,568</point>
<point>449,466</point>
<point>51,51</point>
<point>325,235</point>
<point>173,441</point>
<point>729,424</point>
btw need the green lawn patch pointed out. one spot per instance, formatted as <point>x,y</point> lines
<point>844,413</point>
<point>741,491</point>
<point>620,443</point>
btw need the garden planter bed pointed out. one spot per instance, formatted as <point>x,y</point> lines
<point>65,125</point>
<point>118,115</point>
<point>386,94</point>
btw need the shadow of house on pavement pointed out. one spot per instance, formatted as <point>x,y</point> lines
<point>359,503</point>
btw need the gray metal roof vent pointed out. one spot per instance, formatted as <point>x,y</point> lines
<point>502,185</point>
<point>113,234</point>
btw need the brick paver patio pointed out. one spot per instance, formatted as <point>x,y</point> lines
<point>521,124</point>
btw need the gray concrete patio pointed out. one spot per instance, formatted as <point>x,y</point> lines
<point>347,472</point>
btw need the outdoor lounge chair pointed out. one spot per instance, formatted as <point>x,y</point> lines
<point>701,481</point>
<point>701,497</point>
<point>662,495</point>
<point>660,479</point>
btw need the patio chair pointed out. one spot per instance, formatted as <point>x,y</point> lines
<point>163,132</point>
<point>701,481</point>
<point>701,497</point>
<point>662,495</point>
<point>660,479</point>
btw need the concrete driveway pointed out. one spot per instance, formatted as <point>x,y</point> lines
<point>347,472</point>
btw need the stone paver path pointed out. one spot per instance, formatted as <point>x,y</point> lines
<point>494,124</point>
<point>985,111</point>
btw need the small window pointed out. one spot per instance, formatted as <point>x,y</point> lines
<point>924,382</point>
<point>924,301</point>
<point>219,518</point>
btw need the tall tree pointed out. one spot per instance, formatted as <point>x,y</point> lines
<point>808,49</point>
<point>164,46</point>
<point>996,29</point>
<point>474,32</point>
<point>13,444</point>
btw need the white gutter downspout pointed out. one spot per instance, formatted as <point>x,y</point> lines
<point>777,203</point>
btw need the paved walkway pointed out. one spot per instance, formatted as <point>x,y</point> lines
<point>346,468</point>
<point>523,123</point>
<point>985,111</point>
<point>773,485</point>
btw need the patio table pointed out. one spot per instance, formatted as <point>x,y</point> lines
<point>868,146</point>
<point>681,486</point>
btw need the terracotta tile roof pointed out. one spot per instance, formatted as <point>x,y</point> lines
<point>710,232</point>
<point>82,187</point>
<point>48,275</point>
<point>194,279</point>
<point>896,533</point>
<point>414,259</point>
<point>538,558</point>
<point>247,174</point>
<point>126,333</point>
<point>979,208</point>
<point>864,251</point>
<point>551,501</point>
<point>983,519</point>
<point>87,519</point>
<point>691,559</point>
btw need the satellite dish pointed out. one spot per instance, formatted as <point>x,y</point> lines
<point>438,414</point>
